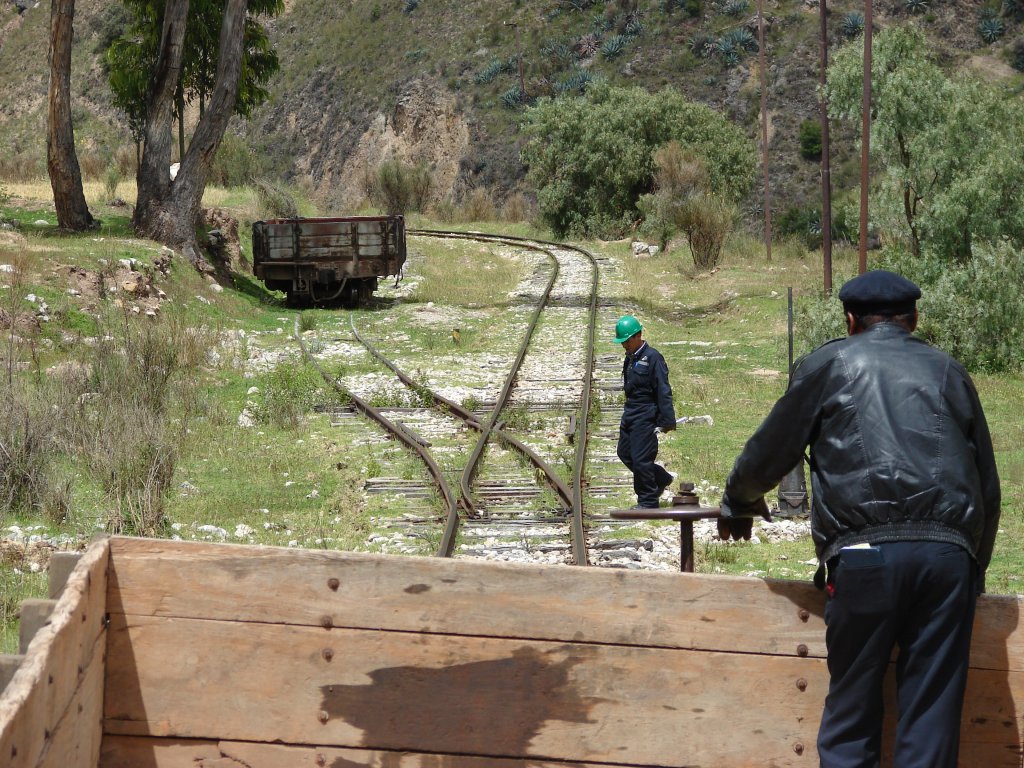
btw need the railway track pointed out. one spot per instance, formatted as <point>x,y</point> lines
<point>534,502</point>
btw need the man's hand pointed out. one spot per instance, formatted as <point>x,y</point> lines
<point>737,521</point>
<point>667,427</point>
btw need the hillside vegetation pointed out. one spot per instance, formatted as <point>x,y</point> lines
<point>438,81</point>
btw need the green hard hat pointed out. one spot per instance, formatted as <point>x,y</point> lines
<point>627,327</point>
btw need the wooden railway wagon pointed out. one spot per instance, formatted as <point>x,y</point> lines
<point>176,655</point>
<point>328,260</point>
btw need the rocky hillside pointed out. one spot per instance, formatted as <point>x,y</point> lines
<point>437,80</point>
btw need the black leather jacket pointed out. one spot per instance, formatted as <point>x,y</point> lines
<point>648,393</point>
<point>900,449</point>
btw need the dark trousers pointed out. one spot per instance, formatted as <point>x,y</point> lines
<point>637,449</point>
<point>919,598</point>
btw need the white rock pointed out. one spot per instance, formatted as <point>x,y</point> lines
<point>8,268</point>
<point>213,530</point>
<point>216,287</point>
<point>252,391</point>
<point>203,299</point>
<point>31,298</point>
<point>245,419</point>
<point>41,223</point>
<point>242,530</point>
<point>289,483</point>
<point>314,494</point>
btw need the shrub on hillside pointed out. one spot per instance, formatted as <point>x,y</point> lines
<point>478,206</point>
<point>810,140</point>
<point>274,202</point>
<point>591,159</point>
<point>398,187</point>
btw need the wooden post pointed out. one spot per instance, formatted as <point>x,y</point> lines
<point>826,173</point>
<point>763,58</point>
<point>862,264</point>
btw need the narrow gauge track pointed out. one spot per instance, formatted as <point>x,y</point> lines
<point>491,426</point>
<point>578,541</point>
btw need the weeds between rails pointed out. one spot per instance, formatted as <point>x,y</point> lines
<point>492,425</point>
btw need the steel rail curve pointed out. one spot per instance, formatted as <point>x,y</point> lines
<point>393,428</point>
<point>578,535</point>
<point>469,418</point>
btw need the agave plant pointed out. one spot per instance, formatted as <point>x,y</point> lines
<point>513,97</point>
<point>735,7</point>
<point>991,30</point>
<point>613,47</point>
<point>742,39</point>
<point>556,51</point>
<point>634,24</point>
<point>703,45</point>
<point>588,45</point>
<point>489,72</point>
<point>728,53</point>
<point>915,6</point>
<point>410,6</point>
<point>852,24</point>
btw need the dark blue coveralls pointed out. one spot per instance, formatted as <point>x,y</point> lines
<point>648,405</point>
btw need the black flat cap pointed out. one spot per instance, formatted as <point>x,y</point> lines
<point>879,291</point>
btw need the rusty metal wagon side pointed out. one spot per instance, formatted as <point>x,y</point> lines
<point>328,260</point>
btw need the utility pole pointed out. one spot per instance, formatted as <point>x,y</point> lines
<point>519,55</point>
<point>762,56</point>
<point>826,177</point>
<point>862,264</point>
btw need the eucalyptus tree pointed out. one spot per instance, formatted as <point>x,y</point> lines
<point>174,53</point>
<point>949,148</point>
<point>61,158</point>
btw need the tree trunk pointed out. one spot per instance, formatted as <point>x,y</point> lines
<point>61,160</point>
<point>174,220</point>
<point>153,178</point>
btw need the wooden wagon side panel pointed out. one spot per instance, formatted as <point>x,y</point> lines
<point>383,661</point>
<point>50,713</point>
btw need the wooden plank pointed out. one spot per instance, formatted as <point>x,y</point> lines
<point>9,663</point>
<point>269,682</point>
<point>61,566</point>
<point>56,663</point>
<point>671,610</point>
<point>132,752</point>
<point>667,610</point>
<point>33,615</point>
<point>78,735</point>
<point>488,697</point>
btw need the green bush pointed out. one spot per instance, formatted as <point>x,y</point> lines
<point>975,310</point>
<point>289,392</point>
<point>817,318</point>
<point>591,159</point>
<point>810,140</point>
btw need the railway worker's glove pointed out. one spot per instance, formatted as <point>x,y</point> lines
<point>737,520</point>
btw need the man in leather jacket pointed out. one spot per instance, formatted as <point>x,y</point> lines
<point>906,504</point>
<point>648,409</point>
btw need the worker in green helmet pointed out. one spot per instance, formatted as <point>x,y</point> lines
<point>647,411</point>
